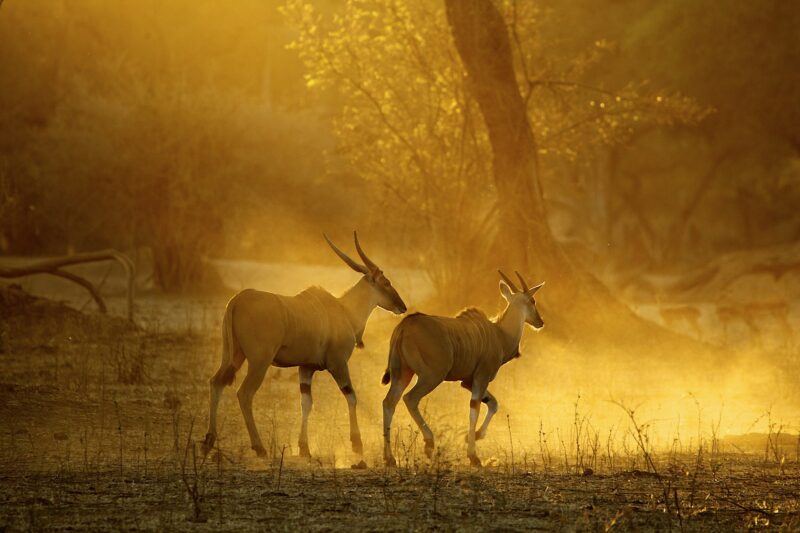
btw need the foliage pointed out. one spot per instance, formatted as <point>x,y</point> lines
<point>408,120</point>
<point>156,143</point>
<point>571,116</point>
<point>681,196</point>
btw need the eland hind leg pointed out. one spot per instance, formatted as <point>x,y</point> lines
<point>256,370</point>
<point>400,380</point>
<point>232,360</point>
<point>221,379</point>
<point>421,388</point>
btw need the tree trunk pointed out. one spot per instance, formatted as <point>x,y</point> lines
<point>581,306</point>
<point>483,44</point>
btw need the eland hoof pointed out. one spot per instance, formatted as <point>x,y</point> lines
<point>429,448</point>
<point>304,451</point>
<point>208,443</point>
<point>358,447</point>
<point>390,461</point>
<point>474,461</point>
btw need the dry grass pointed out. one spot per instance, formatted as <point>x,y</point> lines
<point>99,432</point>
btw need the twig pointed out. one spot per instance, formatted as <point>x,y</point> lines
<point>280,468</point>
<point>510,442</point>
<point>740,506</point>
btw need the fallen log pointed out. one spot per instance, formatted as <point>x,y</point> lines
<point>53,266</point>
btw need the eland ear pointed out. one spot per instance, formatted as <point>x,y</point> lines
<point>505,290</point>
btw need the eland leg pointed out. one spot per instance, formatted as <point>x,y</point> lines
<point>421,389</point>
<point>217,386</point>
<point>341,375</point>
<point>491,404</point>
<point>223,377</point>
<point>248,388</point>
<point>478,393</point>
<point>400,381</point>
<point>306,402</point>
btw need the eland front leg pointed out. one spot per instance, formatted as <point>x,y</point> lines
<point>306,402</point>
<point>478,393</point>
<point>491,404</point>
<point>341,375</point>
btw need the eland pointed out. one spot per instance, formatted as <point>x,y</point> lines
<point>312,330</point>
<point>469,348</point>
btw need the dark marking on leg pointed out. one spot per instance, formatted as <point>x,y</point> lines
<point>485,399</point>
<point>208,443</point>
<point>224,377</point>
<point>347,389</point>
<point>305,388</point>
<point>474,404</point>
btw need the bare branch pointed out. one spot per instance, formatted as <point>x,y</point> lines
<point>53,267</point>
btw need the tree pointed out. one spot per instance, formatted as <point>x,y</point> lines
<point>465,156</point>
<point>732,177</point>
<point>482,41</point>
<point>162,145</point>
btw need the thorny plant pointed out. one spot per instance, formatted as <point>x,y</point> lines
<point>640,435</point>
<point>194,481</point>
<point>130,361</point>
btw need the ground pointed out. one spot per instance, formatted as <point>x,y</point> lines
<point>101,425</point>
<point>237,498</point>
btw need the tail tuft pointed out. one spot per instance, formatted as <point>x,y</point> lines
<point>385,378</point>
<point>224,377</point>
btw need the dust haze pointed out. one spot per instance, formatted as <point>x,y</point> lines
<point>643,161</point>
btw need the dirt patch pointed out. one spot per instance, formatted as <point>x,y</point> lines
<point>30,320</point>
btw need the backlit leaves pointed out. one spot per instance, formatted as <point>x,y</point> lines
<point>409,123</point>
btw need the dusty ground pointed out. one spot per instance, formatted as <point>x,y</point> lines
<point>99,422</point>
<point>321,498</point>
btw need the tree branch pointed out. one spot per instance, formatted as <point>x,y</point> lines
<point>53,266</point>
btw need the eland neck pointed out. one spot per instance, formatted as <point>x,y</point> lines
<point>512,322</point>
<point>359,300</point>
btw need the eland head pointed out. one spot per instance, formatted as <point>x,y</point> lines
<point>385,295</point>
<point>522,297</point>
